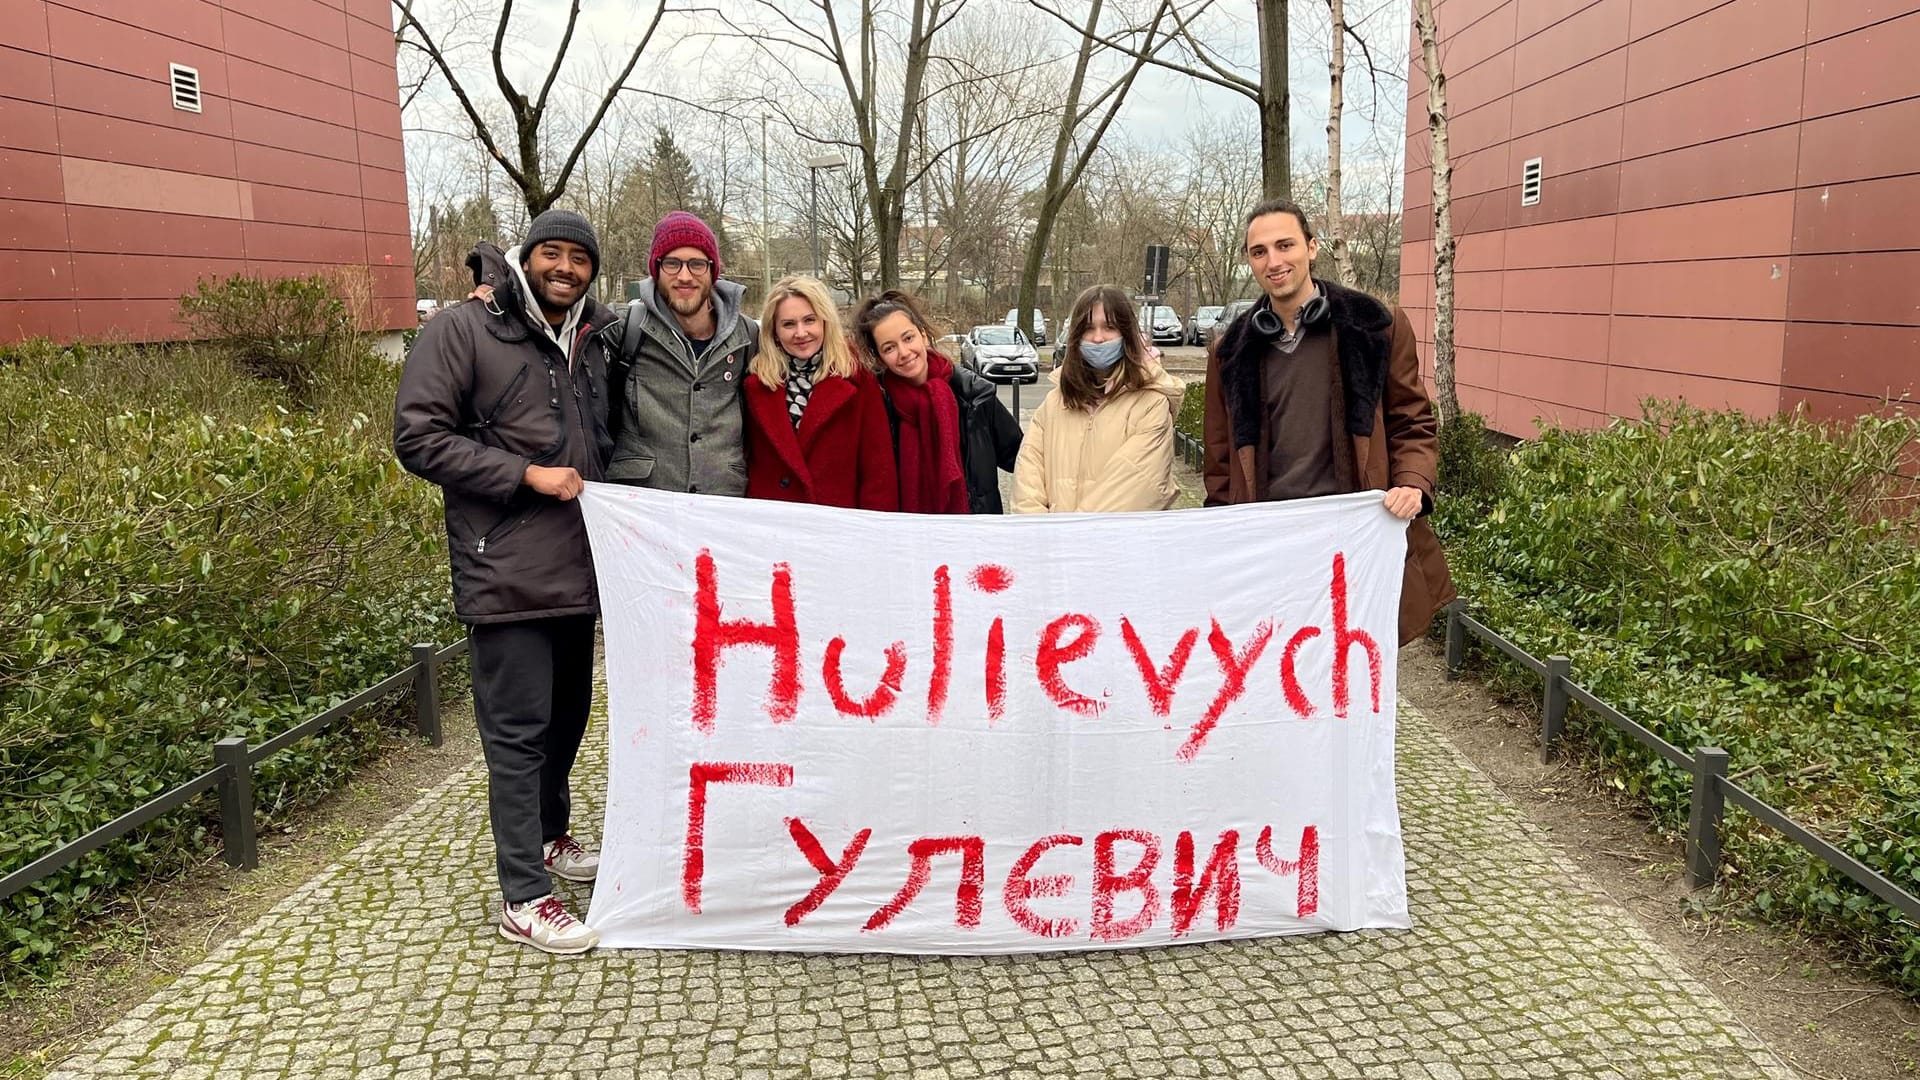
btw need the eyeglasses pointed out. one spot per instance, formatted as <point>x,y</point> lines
<point>672,266</point>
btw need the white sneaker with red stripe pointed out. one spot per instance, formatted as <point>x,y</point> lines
<point>547,925</point>
<point>566,858</point>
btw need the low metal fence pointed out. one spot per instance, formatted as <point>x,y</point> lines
<point>1188,448</point>
<point>232,773</point>
<point>1712,788</point>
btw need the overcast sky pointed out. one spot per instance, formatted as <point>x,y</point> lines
<point>1165,106</point>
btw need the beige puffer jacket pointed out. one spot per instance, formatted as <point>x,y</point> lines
<point>1117,457</point>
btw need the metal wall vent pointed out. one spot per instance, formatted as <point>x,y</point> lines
<point>1530,182</point>
<point>186,87</point>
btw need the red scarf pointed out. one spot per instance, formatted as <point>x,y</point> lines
<point>931,481</point>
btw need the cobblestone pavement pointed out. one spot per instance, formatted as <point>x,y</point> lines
<point>387,966</point>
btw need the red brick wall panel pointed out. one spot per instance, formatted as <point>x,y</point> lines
<point>1740,349</point>
<point>1872,66</point>
<point>1746,165</point>
<point>324,62</point>
<point>24,319</point>
<point>99,41</point>
<point>28,175</point>
<point>313,19</point>
<point>25,75</point>
<point>1861,145</point>
<point>1592,87</point>
<point>1723,39</point>
<point>1761,95</point>
<point>105,229</point>
<point>1872,287</point>
<point>1830,18</point>
<point>295,93</point>
<point>1588,33</point>
<point>1628,387</point>
<point>35,275</point>
<point>271,165</point>
<point>192,21</point>
<point>1757,225</point>
<point>1565,337</point>
<point>147,277</point>
<point>32,226</point>
<point>131,142</point>
<point>28,125</point>
<point>23,25</point>
<point>1872,215</point>
<point>286,131</point>
<point>113,94</point>
<point>1870,361</point>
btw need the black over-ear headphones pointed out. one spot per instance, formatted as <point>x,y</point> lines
<point>1267,325</point>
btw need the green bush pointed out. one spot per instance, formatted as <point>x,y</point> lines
<point>1193,411</point>
<point>185,557</point>
<point>1750,584</point>
<point>284,329</point>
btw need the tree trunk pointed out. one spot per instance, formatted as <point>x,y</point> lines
<point>1446,392</point>
<point>1335,228</point>
<point>1276,181</point>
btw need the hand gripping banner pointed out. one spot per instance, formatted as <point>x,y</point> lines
<point>844,731</point>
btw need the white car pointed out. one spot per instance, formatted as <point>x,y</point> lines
<point>1002,354</point>
<point>1039,324</point>
<point>426,309</point>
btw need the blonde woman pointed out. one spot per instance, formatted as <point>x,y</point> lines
<point>816,421</point>
<point>1102,440</point>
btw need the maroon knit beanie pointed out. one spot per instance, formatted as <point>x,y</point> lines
<point>681,229</point>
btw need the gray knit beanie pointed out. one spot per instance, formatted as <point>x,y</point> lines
<point>563,225</point>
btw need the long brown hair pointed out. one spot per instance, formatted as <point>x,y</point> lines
<point>1080,385</point>
<point>875,310</point>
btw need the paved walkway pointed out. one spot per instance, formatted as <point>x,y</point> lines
<point>387,966</point>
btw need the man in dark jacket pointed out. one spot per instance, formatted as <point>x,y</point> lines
<point>503,403</point>
<point>1316,390</point>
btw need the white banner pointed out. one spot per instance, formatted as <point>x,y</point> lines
<point>836,730</point>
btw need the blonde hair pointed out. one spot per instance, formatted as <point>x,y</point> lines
<point>835,357</point>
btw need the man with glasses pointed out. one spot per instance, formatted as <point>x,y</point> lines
<point>684,348</point>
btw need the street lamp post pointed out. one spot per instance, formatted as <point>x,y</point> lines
<point>814,165</point>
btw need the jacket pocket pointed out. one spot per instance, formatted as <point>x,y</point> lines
<point>629,468</point>
<point>513,387</point>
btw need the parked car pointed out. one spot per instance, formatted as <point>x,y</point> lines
<point>1003,354</point>
<point>1200,327</point>
<point>426,309</point>
<point>1161,324</point>
<point>1233,312</point>
<point>1039,324</point>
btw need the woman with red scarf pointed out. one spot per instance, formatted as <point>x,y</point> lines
<point>898,338</point>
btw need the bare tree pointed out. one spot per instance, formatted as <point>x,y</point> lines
<point>1334,227</point>
<point>1447,394</point>
<point>1266,88</point>
<point>1083,122</point>
<point>540,182</point>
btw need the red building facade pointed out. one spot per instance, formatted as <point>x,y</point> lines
<point>1725,213</point>
<point>117,194</point>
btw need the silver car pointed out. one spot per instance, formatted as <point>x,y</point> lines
<point>1002,354</point>
<point>1200,327</point>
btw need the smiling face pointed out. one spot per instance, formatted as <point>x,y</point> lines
<point>902,347</point>
<point>1280,254</point>
<point>796,326</point>
<point>557,272</point>
<point>686,290</point>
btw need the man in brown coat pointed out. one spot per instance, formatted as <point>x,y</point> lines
<point>1316,390</point>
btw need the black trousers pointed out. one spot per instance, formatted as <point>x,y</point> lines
<point>532,690</point>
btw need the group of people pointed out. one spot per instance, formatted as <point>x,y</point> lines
<point>512,400</point>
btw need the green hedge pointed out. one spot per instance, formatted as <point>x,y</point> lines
<point>187,555</point>
<point>1751,584</point>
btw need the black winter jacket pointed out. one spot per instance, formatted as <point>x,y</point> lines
<point>484,394</point>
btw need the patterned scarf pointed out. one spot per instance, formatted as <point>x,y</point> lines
<point>800,375</point>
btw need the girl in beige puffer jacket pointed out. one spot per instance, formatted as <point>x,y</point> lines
<point>1103,439</point>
